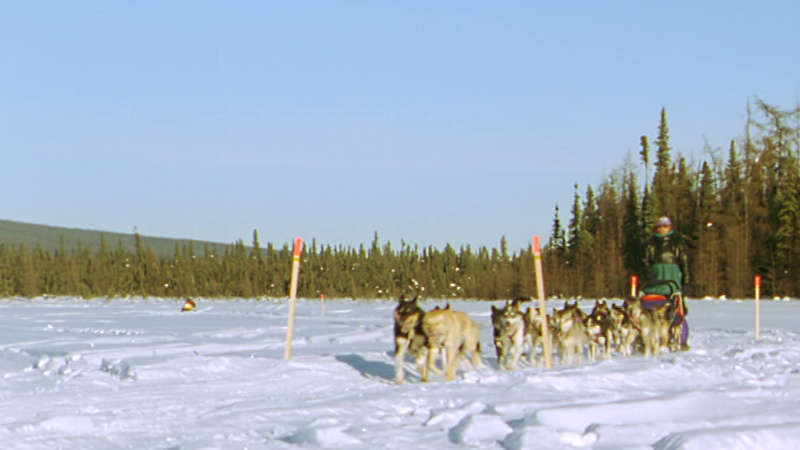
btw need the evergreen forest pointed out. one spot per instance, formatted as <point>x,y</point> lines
<point>738,208</point>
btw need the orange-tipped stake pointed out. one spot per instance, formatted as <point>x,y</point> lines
<point>296,252</point>
<point>546,347</point>
<point>188,305</point>
<point>758,306</point>
<point>634,283</point>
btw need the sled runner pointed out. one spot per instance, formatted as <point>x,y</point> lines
<point>652,301</point>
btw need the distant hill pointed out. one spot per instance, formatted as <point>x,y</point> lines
<point>48,238</point>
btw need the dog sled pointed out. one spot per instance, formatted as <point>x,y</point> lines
<point>651,301</point>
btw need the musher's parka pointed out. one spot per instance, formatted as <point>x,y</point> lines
<point>665,259</point>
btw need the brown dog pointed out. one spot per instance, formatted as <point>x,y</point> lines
<point>408,337</point>
<point>533,334</point>
<point>454,332</point>
<point>652,326</point>
<point>572,336</point>
<point>601,328</point>
<point>509,333</point>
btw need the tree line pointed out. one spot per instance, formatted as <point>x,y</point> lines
<point>238,270</point>
<point>738,210</point>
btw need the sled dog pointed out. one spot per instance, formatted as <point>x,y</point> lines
<point>676,336</point>
<point>571,333</point>
<point>456,334</point>
<point>533,333</point>
<point>631,327</point>
<point>408,337</point>
<point>651,325</point>
<point>618,316</point>
<point>663,318</point>
<point>509,333</point>
<point>600,326</point>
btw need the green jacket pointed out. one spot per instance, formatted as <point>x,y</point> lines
<point>665,259</point>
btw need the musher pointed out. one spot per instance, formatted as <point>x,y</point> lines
<point>665,259</point>
<point>666,267</point>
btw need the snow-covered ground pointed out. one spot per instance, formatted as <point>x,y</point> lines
<point>141,374</point>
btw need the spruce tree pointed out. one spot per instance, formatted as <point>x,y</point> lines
<point>609,267</point>
<point>707,268</point>
<point>734,226</point>
<point>662,198</point>
<point>632,225</point>
<point>589,230</point>
<point>575,244</point>
<point>650,205</point>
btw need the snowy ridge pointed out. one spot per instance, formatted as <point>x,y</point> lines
<point>138,373</point>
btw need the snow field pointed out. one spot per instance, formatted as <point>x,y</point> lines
<point>138,373</point>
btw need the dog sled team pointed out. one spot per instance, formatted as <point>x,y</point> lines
<point>644,325</point>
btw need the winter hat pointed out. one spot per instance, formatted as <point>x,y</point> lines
<point>664,222</point>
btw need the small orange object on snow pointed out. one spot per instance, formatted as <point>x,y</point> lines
<point>189,305</point>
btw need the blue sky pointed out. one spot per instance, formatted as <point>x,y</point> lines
<point>433,122</point>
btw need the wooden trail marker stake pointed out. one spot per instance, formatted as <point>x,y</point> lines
<point>634,282</point>
<point>297,250</point>
<point>758,306</point>
<point>547,346</point>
